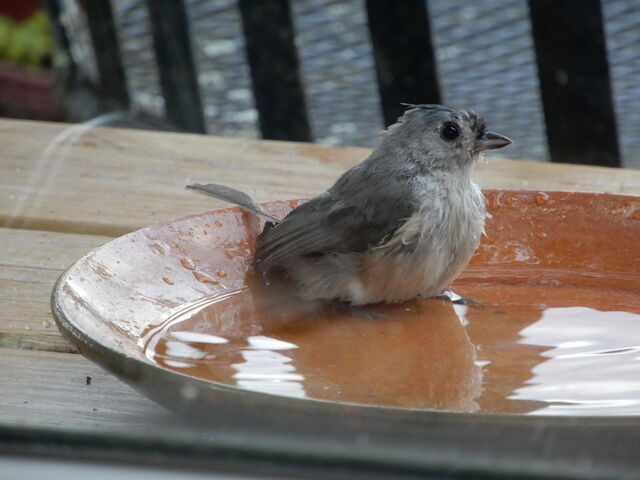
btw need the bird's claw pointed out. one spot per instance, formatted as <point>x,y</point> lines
<point>453,297</point>
<point>366,314</point>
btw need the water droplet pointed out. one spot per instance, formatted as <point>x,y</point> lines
<point>218,223</point>
<point>168,281</point>
<point>541,198</point>
<point>201,277</point>
<point>187,263</point>
<point>156,247</point>
<point>496,201</point>
<point>221,274</point>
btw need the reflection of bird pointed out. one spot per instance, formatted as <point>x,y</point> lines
<point>419,356</point>
<point>402,223</point>
<point>510,362</point>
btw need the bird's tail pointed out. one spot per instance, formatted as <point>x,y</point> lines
<point>232,195</point>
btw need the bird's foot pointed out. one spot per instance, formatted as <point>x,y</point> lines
<point>347,308</point>
<point>453,297</point>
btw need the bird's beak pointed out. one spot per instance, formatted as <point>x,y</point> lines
<point>491,141</point>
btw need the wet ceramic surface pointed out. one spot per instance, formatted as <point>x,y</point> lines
<point>558,275</point>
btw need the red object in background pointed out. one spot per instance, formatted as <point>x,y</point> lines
<point>26,92</point>
<point>19,9</point>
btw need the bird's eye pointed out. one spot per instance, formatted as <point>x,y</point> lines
<point>450,131</point>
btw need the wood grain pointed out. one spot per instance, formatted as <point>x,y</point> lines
<point>109,181</point>
<point>25,316</point>
<point>48,389</point>
<point>30,263</point>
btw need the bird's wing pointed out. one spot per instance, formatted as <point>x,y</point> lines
<point>338,222</point>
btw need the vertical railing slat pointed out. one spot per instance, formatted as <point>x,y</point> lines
<point>113,84</point>
<point>52,7</point>
<point>574,79</point>
<point>275,70</point>
<point>178,79</point>
<point>403,53</point>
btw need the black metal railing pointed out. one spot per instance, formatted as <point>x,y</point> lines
<point>574,81</point>
<point>275,70</point>
<point>113,84</point>
<point>568,35</point>
<point>403,54</point>
<point>178,78</point>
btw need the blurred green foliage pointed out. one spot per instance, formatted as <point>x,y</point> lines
<point>28,42</point>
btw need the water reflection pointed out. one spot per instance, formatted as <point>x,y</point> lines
<point>593,363</point>
<point>509,356</point>
<point>266,369</point>
<point>507,363</point>
<point>418,355</point>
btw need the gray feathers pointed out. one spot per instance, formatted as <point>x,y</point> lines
<point>232,195</point>
<point>351,217</point>
<point>402,223</point>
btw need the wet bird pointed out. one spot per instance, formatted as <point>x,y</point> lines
<point>401,224</point>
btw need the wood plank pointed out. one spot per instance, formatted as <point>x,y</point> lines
<point>517,174</point>
<point>110,181</point>
<point>30,263</point>
<point>44,250</point>
<point>25,316</point>
<point>47,389</point>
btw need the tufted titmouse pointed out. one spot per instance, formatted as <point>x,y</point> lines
<point>401,224</point>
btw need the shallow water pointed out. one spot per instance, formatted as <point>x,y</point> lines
<point>563,350</point>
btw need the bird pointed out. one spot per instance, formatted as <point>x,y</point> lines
<point>401,224</point>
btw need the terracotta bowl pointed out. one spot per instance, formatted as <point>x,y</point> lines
<point>538,246</point>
